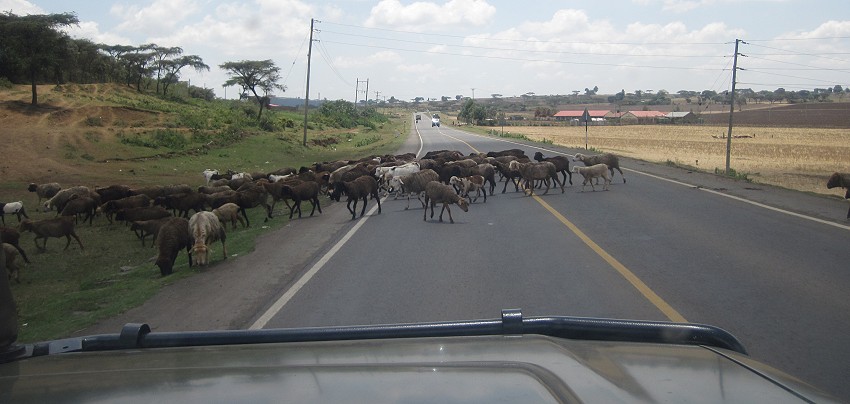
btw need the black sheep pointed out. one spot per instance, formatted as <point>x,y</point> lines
<point>172,237</point>
<point>843,181</point>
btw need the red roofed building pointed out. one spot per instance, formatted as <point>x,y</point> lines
<point>570,115</point>
<point>641,117</point>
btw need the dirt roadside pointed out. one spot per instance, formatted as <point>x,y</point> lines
<point>232,294</point>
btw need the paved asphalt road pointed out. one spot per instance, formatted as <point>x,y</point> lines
<point>666,245</point>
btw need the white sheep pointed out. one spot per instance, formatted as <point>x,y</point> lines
<point>204,229</point>
<point>594,171</point>
<point>209,173</point>
<point>12,208</point>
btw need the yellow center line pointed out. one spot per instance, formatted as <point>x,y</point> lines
<point>656,300</point>
<point>653,297</point>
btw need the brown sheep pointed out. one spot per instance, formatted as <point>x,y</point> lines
<point>840,180</point>
<point>204,229</point>
<point>532,172</point>
<point>144,228</point>
<point>305,191</point>
<point>172,237</point>
<point>56,227</point>
<point>143,213</point>
<point>437,192</point>
<point>11,267</point>
<point>228,212</point>
<point>562,164</point>
<point>13,237</point>
<point>359,188</point>
<point>79,205</point>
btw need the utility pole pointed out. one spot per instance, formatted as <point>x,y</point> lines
<point>307,95</point>
<point>732,106</point>
<point>357,90</point>
<point>473,93</point>
<point>367,92</point>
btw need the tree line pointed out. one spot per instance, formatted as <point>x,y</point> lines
<point>35,50</point>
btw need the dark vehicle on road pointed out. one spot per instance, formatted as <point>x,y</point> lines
<point>512,359</point>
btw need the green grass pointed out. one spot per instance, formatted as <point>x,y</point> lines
<point>64,291</point>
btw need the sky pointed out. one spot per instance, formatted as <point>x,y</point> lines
<point>485,48</point>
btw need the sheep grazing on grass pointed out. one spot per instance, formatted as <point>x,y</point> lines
<point>413,184</point>
<point>113,192</point>
<point>229,212</point>
<point>182,203</point>
<point>143,213</point>
<point>437,192</point>
<point>12,208</point>
<point>59,200</point>
<point>562,164</point>
<point>13,237</point>
<point>210,174</point>
<point>136,201</point>
<point>172,237</point>
<point>532,172</point>
<point>80,205</point>
<point>594,171</point>
<point>469,184</point>
<point>11,267</point>
<point>145,228</point>
<point>840,180</point>
<point>204,229</point>
<point>305,191</point>
<point>62,226</point>
<point>610,160</point>
<point>360,188</point>
<point>251,195</point>
<point>44,191</point>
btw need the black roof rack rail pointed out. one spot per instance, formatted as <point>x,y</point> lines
<point>135,336</point>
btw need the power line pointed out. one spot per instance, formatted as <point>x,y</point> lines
<point>525,50</point>
<point>526,40</point>
<point>524,59</point>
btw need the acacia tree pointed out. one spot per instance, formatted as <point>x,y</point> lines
<point>172,68</point>
<point>33,43</point>
<point>254,75</point>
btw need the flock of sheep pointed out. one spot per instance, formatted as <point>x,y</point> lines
<point>163,212</point>
<point>443,177</point>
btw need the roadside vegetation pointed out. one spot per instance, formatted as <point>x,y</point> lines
<point>103,134</point>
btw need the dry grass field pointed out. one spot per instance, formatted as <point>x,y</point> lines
<point>795,158</point>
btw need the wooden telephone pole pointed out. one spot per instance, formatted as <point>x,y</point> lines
<point>307,95</point>
<point>732,106</point>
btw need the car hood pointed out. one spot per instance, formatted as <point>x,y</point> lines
<point>514,368</point>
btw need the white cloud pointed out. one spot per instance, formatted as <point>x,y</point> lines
<point>90,30</point>
<point>375,59</point>
<point>159,16</point>
<point>20,7</point>
<point>420,15</point>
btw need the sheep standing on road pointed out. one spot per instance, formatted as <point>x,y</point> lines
<point>305,191</point>
<point>610,160</point>
<point>361,188</point>
<point>437,192</point>
<point>172,237</point>
<point>414,184</point>
<point>840,180</point>
<point>62,226</point>
<point>12,208</point>
<point>562,164</point>
<point>532,172</point>
<point>204,229</point>
<point>594,171</point>
<point>469,184</point>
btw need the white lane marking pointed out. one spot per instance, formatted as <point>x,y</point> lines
<point>289,294</point>
<point>761,205</point>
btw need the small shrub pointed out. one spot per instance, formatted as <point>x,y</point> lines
<point>368,141</point>
<point>170,139</point>
<point>5,83</point>
<point>94,121</point>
